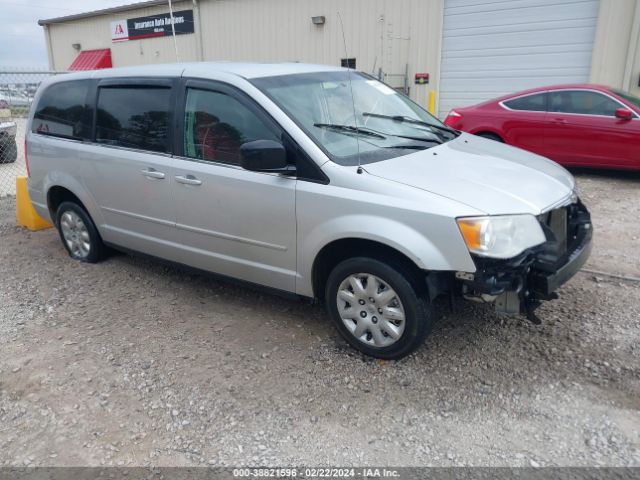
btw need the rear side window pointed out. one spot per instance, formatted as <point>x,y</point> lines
<point>134,117</point>
<point>62,111</point>
<point>530,103</point>
<point>582,102</point>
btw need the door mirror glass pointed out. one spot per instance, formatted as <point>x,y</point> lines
<point>263,156</point>
<point>624,114</point>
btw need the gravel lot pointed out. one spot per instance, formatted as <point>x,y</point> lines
<point>130,362</point>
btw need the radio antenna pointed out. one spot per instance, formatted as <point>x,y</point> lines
<point>353,102</point>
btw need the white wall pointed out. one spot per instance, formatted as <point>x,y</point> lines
<point>379,33</point>
<point>95,32</point>
<point>616,54</point>
<point>385,34</point>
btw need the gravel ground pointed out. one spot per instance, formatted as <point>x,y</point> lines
<point>130,362</point>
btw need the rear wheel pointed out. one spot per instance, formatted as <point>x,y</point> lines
<point>376,307</point>
<point>79,234</point>
<point>490,136</point>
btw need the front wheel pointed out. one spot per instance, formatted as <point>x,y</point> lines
<point>377,308</point>
<point>79,234</point>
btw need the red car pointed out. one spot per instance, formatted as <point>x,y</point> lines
<point>575,125</point>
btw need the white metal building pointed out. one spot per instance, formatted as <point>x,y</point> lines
<point>472,50</point>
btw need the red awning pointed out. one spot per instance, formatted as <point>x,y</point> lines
<point>92,60</point>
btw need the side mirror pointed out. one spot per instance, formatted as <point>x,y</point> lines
<point>264,156</point>
<point>624,114</point>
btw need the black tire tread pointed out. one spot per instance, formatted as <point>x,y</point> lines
<point>98,250</point>
<point>402,280</point>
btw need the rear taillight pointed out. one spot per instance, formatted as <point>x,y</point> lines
<point>26,158</point>
<point>453,118</point>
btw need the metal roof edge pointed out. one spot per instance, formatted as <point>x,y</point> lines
<point>104,11</point>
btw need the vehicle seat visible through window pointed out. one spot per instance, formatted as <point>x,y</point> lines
<point>217,140</point>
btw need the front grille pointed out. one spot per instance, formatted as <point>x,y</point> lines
<point>562,228</point>
<point>555,224</point>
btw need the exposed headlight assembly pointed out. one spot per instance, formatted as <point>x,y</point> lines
<point>502,236</point>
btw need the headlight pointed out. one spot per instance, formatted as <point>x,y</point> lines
<point>501,236</point>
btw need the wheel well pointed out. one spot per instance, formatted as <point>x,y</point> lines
<point>57,195</point>
<point>339,250</point>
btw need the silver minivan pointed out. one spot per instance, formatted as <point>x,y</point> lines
<point>313,180</point>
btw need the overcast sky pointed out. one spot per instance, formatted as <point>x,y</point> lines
<point>22,39</point>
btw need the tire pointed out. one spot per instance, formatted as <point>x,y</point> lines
<point>490,136</point>
<point>79,234</point>
<point>403,310</point>
<point>8,149</point>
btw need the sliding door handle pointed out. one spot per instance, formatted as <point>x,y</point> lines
<point>188,180</point>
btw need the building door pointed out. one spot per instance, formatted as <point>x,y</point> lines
<point>493,48</point>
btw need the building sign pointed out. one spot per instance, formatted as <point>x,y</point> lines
<point>152,26</point>
<point>422,78</point>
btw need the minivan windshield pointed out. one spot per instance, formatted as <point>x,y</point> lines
<point>375,123</point>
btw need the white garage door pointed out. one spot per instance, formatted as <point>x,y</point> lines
<point>491,48</point>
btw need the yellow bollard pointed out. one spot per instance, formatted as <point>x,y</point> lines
<point>26,216</point>
<point>432,102</point>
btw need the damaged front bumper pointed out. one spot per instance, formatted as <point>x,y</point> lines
<point>520,284</point>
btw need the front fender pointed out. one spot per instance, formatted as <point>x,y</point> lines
<point>412,243</point>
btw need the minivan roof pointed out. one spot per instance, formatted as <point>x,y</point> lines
<point>201,69</point>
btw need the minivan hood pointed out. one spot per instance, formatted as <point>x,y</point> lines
<point>484,174</point>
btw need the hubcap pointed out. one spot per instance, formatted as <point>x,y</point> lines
<point>371,310</point>
<point>75,234</point>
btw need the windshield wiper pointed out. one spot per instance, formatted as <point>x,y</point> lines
<point>414,121</point>
<point>350,129</point>
<point>416,147</point>
<point>421,139</point>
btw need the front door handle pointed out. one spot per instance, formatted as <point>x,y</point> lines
<point>188,180</point>
<point>153,173</point>
<point>559,121</point>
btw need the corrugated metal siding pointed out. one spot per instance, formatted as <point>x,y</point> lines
<point>387,34</point>
<point>491,48</point>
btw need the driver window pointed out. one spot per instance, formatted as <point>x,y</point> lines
<point>216,126</point>
<point>582,102</point>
